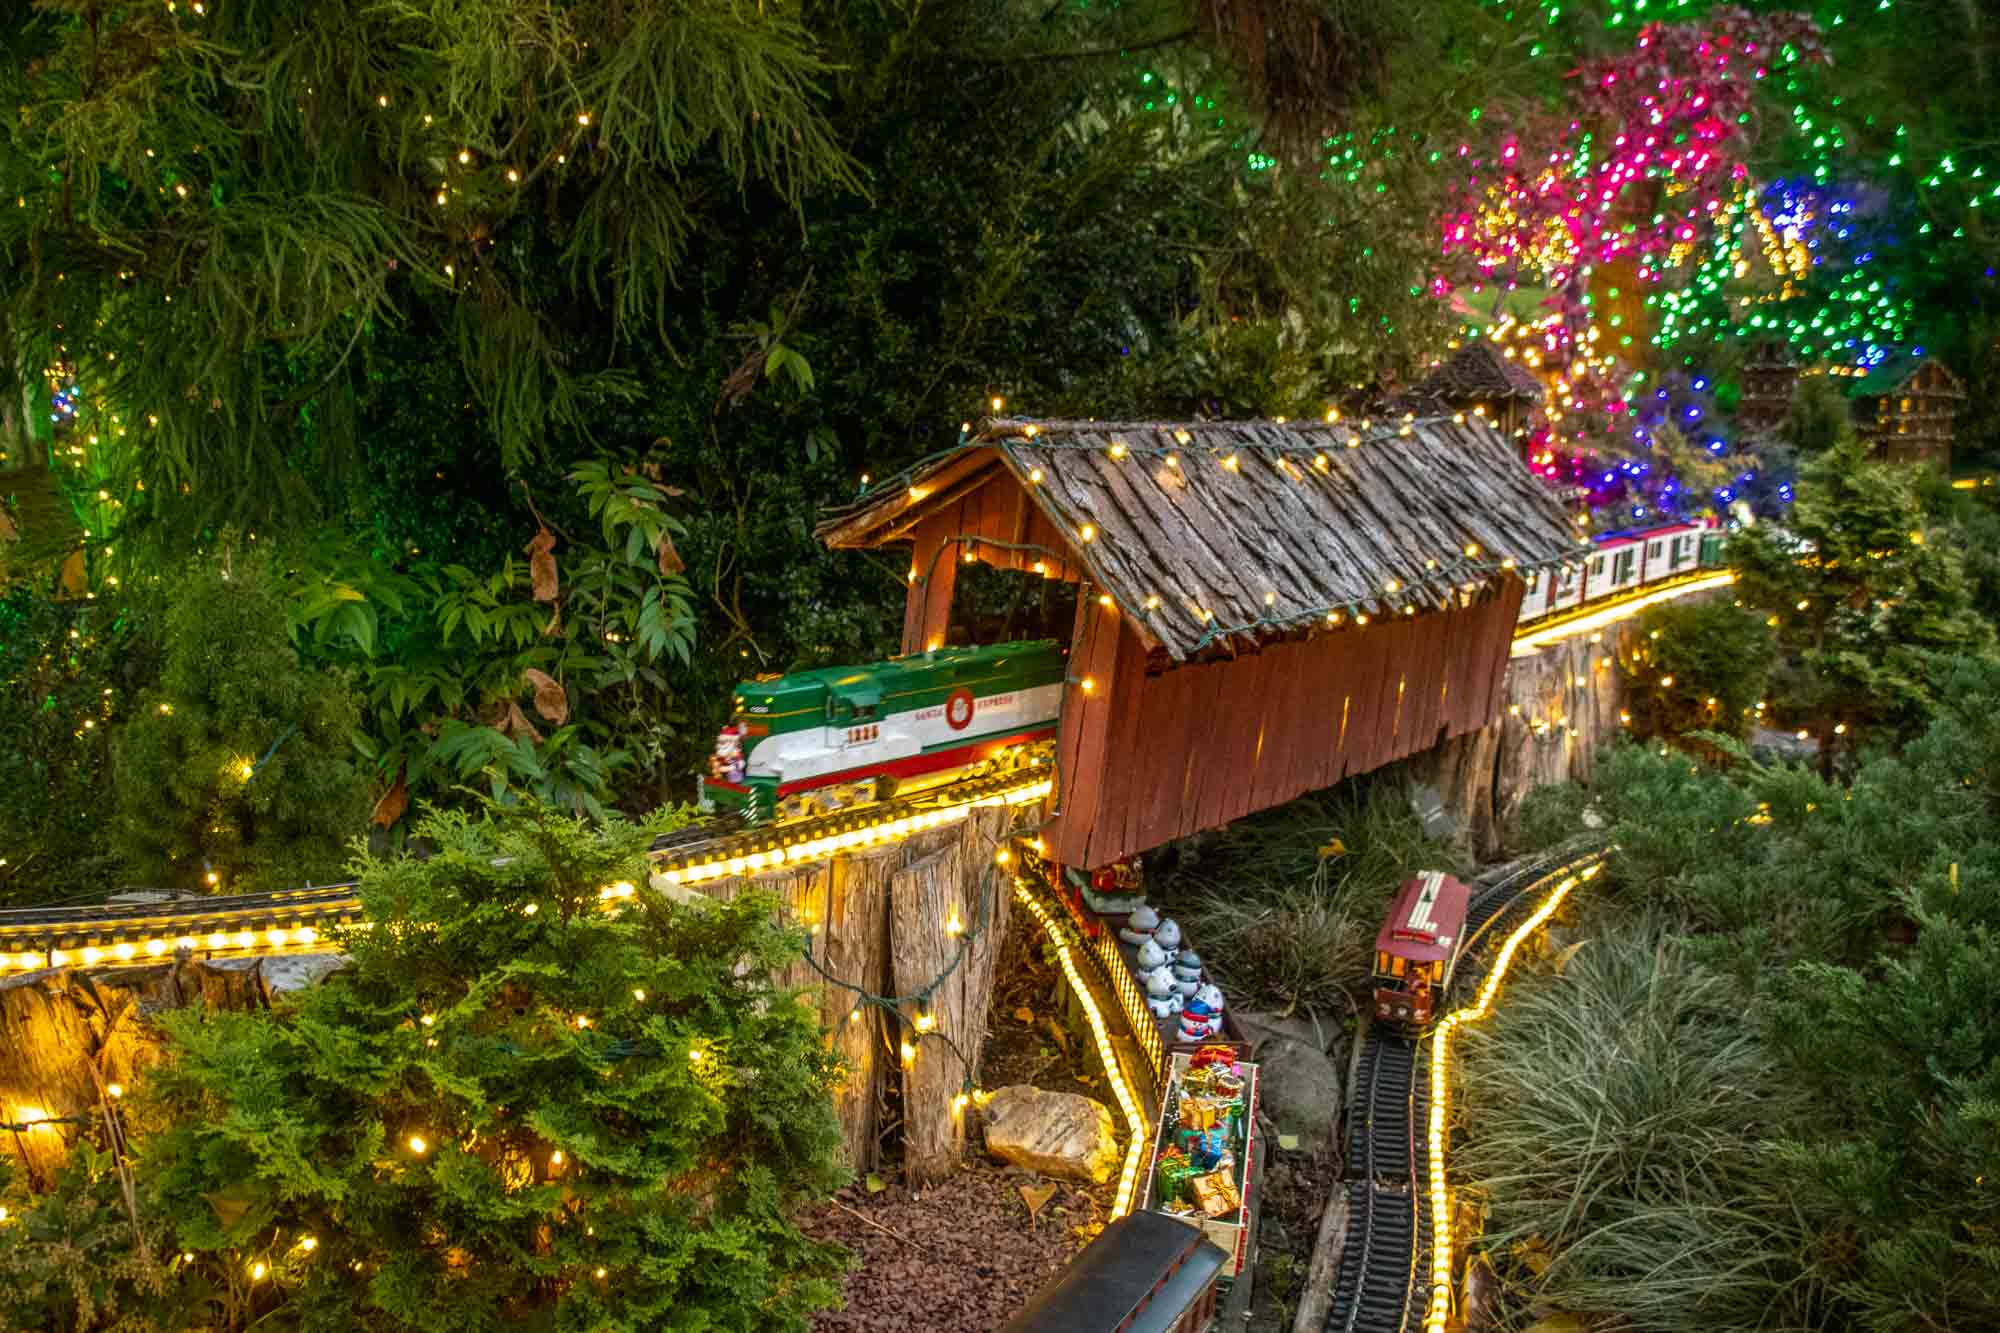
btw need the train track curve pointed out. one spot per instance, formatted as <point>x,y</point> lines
<point>1378,1287</point>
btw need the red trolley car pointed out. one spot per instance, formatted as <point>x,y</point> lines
<point>1418,948</point>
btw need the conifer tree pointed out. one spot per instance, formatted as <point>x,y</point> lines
<point>538,1096</point>
<point>236,771</point>
<point>1866,608</point>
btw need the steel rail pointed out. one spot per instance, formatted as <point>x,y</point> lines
<point>259,923</point>
<point>1378,1288</point>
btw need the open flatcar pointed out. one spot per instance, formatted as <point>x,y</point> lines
<point>1417,948</point>
<point>1146,1273</point>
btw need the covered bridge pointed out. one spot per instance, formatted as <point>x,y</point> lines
<point>1266,607</point>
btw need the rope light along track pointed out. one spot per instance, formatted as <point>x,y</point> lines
<point>1128,1104</point>
<point>1439,1310</point>
<point>811,840</point>
<point>1598,617</point>
<point>296,921</point>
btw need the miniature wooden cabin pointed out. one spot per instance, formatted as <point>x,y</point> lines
<point>1907,407</point>
<point>1478,379</point>
<point>1265,609</point>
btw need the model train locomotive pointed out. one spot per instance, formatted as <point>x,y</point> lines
<point>828,739</point>
<point>832,738</point>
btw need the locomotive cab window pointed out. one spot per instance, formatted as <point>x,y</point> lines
<point>1622,566</point>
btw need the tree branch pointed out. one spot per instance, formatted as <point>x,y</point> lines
<point>1083,53</point>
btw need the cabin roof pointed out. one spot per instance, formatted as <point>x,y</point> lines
<point>1208,531</point>
<point>1481,371</point>
<point>1432,905</point>
<point>1896,371</point>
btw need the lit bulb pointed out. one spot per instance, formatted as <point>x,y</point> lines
<point>417,1144</point>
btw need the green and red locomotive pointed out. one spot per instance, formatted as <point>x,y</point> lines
<point>832,738</point>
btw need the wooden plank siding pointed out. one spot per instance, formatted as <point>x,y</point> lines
<point>1225,570</point>
<point>1147,758</point>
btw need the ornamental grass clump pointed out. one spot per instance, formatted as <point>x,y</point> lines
<point>539,1095</point>
<point>1284,906</point>
<point>1616,1110</point>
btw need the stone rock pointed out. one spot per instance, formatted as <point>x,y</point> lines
<point>1299,1089</point>
<point>1052,1133</point>
<point>1261,1025</point>
<point>297,971</point>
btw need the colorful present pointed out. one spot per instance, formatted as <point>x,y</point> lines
<point>1215,1194</point>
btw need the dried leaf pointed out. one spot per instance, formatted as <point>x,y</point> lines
<point>1036,1198</point>
<point>551,700</point>
<point>1289,1142</point>
<point>1562,959</point>
<point>542,565</point>
<point>514,724</point>
<point>394,801</point>
<point>670,559</point>
<point>1024,1015</point>
<point>1333,849</point>
<point>8,532</point>
<point>875,1183</point>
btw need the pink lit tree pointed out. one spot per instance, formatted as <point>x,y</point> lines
<point>1630,182</point>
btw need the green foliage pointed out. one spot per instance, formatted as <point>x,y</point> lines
<point>72,1259</point>
<point>1859,616</point>
<point>1858,927</point>
<point>1286,904</point>
<point>1549,816</point>
<point>502,163</point>
<point>237,764</point>
<point>444,655</point>
<point>71,671</point>
<point>522,1104</point>
<point>1821,417</point>
<point>1719,658</point>
<point>1618,1104</point>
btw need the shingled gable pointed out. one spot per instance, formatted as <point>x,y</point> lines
<point>1480,371</point>
<point>1207,531</point>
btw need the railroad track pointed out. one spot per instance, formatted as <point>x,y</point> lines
<point>139,929</point>
<point>1377,1288</point>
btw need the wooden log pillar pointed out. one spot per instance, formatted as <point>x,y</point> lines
<point>883,921</point>
<point>933,578</point>
<point>66,1036</point>
<point>949,917</point>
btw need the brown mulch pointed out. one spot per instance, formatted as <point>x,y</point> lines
<point>968,1256</point>
<point>1296,1188</point>
<point>965,1253</point>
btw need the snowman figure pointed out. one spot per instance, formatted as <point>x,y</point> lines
<point>1139,927</point>
<point>1187,972</point>
<point>1201,1017</point>
<point>1152,956</point>
<point>1169,936</point>
<point>1161,996</point>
